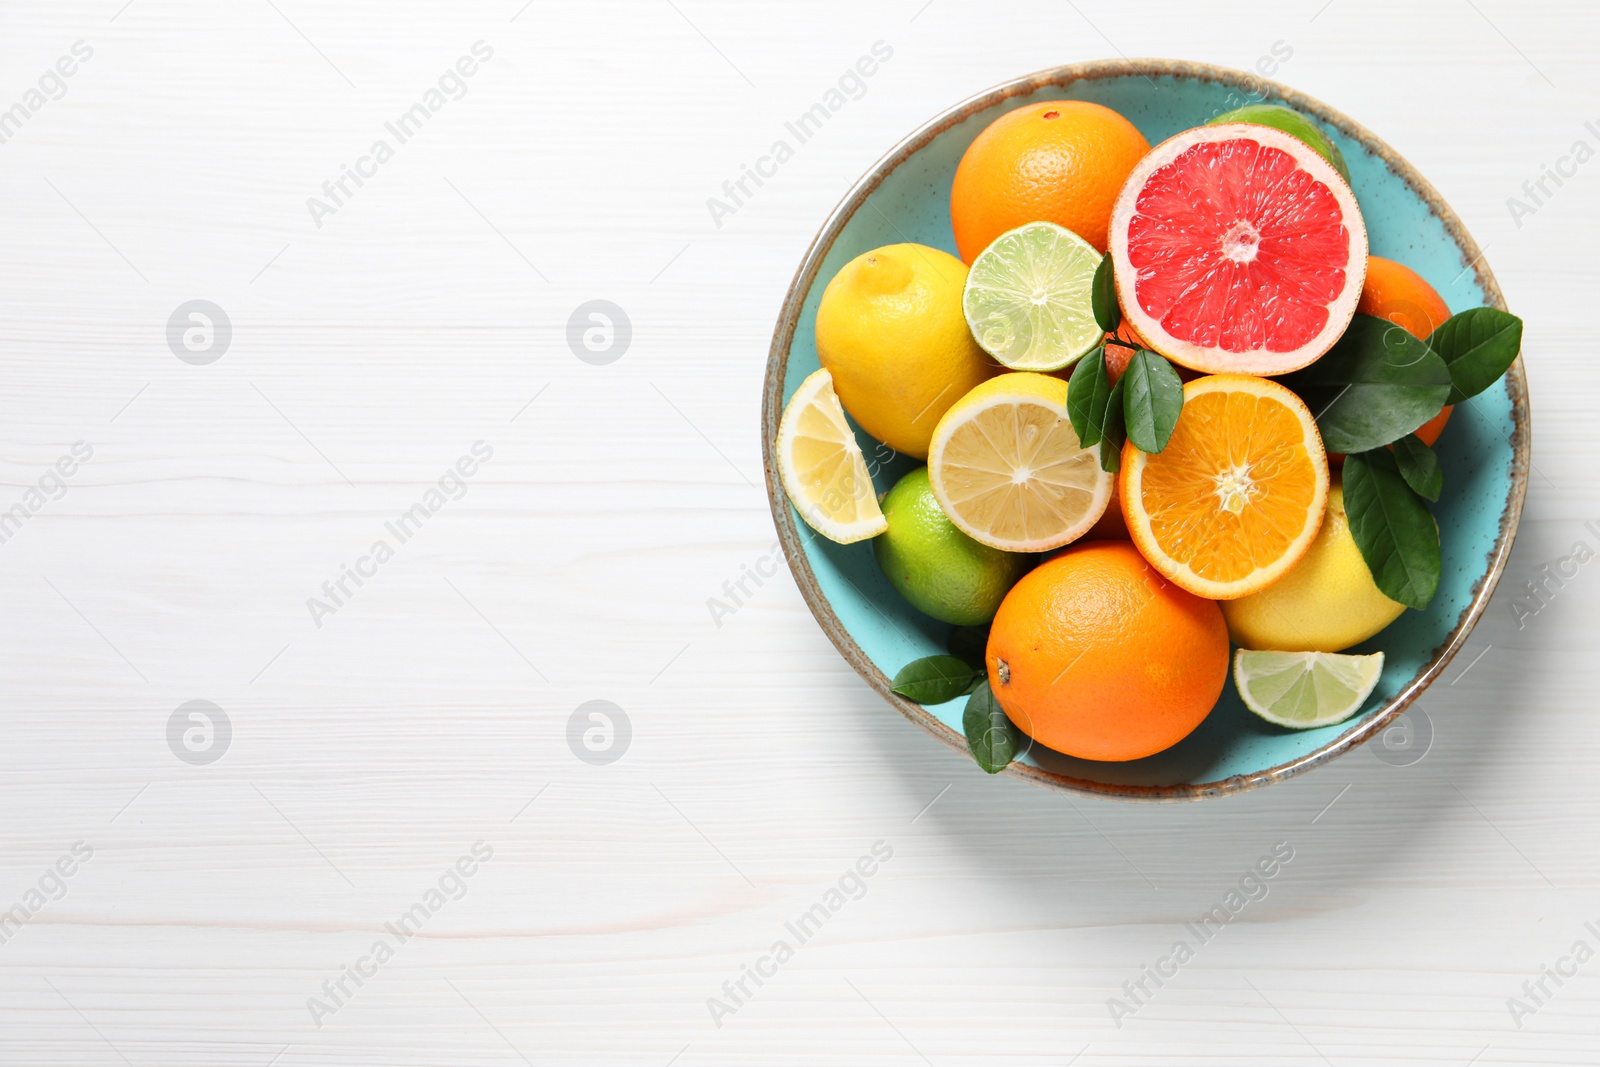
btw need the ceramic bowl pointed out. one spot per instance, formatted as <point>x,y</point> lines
<point>1484,450</point>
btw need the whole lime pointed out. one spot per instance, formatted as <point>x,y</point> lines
<point>940,570</point>
<point>1292,123</point>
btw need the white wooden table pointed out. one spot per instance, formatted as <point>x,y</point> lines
<point>224,881</point>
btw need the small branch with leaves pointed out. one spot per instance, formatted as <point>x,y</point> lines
<point>1372,391</point>
<point>1141,406</point>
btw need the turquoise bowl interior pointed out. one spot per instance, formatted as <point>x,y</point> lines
<point>1484,449</point>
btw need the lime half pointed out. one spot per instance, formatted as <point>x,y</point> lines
<point>1029,297</point>
<point>1305,689</point>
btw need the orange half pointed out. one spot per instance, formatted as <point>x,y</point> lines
<point>1238,494</point>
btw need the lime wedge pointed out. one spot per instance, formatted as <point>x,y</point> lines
<point>1305,689</point>
<point>1029,297</point>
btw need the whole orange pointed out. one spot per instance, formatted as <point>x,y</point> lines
<point>1395,292</point>
<point>1061,161</point>
<point>1093,654</point>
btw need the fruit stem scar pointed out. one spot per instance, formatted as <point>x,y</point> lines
<point>1241,242</point>
<point>1235,488</point>
<point>1003,670</point>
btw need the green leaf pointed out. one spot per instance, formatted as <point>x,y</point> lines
<point>1478,346</point>
<point>992,738</point>
<point>1113,431</point>
<point>1419,466</point>
<point>1392,527</point>
<point>934,679</point>
<point>1152,401</point>
<point>969,644</point>
<point>1107,313</point>
<point>1088,391</point>
<point>1375,385</point>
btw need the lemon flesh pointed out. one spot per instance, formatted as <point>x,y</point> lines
<point>822,468</point>
<point>1010,472</point>
<point>1305,689</point>
<point>890,330</point>
<point>1326,602</point>
<point>1028,297</point>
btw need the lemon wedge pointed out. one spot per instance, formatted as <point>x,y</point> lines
<point>822,467</point>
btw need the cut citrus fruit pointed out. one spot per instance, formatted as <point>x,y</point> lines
<point>1238,249</point>
<point>1008,469</point>
<point>1305,689</point>
<point>1028,297</point>
<point>822,468</point>
<point>1238,494</point>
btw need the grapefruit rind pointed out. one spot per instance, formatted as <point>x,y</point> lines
<point>1214,359</point>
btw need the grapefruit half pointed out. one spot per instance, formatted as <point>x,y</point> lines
<point>1238,250</point>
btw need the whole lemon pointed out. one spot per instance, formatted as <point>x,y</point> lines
<point>940,570</point>
<point>891,332</point>
<point>1324,603</point>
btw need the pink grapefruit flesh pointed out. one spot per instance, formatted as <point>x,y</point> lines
<point>1238,249</point>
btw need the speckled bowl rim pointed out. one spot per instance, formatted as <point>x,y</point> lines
<point>789,317</point>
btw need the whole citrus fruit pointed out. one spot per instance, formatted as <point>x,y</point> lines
<point>1325,603</point>
<point>1093,654</point>
<point>891,331</point>
<point>940,570</point>
<point>1293,123</point>
<point>1061,161</point>
<point>1395,292</point>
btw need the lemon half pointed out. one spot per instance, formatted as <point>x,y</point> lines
<point>1010,472</point>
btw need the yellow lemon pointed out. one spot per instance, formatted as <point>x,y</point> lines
<point>1326,602</point>
<point>891,331</point>
<point>1009,471</point>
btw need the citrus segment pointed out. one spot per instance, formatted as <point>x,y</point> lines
<point>1237,496</point>
<point>1301,690</point>
<point>1008,469</point>
<point>1028,298</point>
<point>822,468</point>
<point>1238,248</point>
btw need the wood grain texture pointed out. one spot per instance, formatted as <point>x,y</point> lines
<point>430,711</point>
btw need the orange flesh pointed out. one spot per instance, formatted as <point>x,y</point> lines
<point>1230,493</point>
